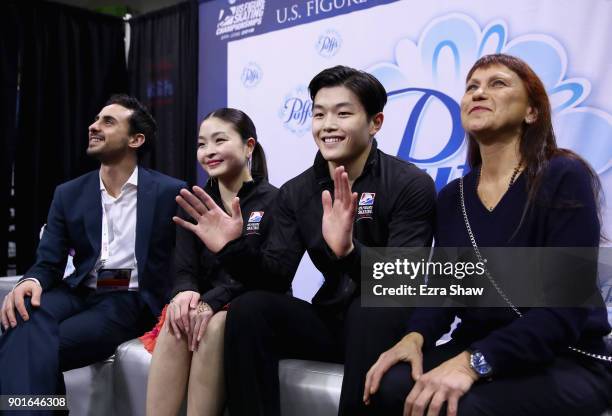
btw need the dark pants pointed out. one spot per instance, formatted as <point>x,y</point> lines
<point>70,329</point>
<point>571,386</point>
<point>262,328</point>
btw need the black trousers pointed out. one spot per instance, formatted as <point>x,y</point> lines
<point>70,329</point>
<point>570,386</point>
<point>262,328</point>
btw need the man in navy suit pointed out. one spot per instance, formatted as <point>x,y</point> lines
<point>118,221</point>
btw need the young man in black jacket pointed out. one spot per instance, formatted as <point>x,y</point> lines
<point>378,200</point>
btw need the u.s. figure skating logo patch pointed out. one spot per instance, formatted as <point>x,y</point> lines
<point>365,207</point>
<point>254,221</point>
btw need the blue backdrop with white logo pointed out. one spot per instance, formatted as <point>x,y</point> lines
<point>259,55</point>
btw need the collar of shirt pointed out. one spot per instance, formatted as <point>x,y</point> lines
<point>132,181</point>
<point>212,189</point>
<point>322,170</point>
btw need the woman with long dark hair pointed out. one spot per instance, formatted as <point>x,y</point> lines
<point>187,344</point>
<point>522,191</point>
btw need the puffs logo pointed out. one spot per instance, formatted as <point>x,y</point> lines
<point>251,75</point>
<point>328,44</point>
<point>296,111</point>
<point>437,62</point>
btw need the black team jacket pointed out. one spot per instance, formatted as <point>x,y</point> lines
<point>396,208</point>
<point>197,269</point>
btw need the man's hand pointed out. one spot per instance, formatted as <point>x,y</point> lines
<point>14,300</point>
<point>213,226</point>
<point>200,317</point>
<point>338,216</point>
<point>408,350</point>
<point>445,383</point>
<point>177,314</point>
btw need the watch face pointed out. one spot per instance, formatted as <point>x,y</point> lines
<point>479,364</point>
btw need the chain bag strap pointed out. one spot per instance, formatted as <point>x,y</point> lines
<point>499,290</point>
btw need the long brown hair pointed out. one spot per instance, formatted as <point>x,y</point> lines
<point>538,144</point>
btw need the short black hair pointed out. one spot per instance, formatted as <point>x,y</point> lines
<point>141,121</point>
<point>366,87</point>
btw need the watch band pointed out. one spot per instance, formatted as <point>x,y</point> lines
<point>479,364</point>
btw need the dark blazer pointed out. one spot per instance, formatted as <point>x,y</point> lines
<point>75,222</point>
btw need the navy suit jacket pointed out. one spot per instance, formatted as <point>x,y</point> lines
<point>75,222</point>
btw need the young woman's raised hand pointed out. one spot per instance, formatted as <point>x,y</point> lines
<point>213,226</point>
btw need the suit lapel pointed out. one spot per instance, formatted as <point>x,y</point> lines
<point>145,210</point>
<point>93,211</point>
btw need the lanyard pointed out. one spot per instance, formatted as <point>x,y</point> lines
<point>105,251</point>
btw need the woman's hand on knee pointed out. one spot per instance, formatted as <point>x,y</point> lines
<point>445,383</point>
<point>177,315</point>
<point>408,350</point>
<point>200,317</point>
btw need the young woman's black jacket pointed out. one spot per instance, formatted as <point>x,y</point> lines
<point>197,269</point>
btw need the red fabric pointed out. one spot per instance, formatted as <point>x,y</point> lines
<point>150,338</point>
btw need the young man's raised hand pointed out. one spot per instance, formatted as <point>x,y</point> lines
<point>339,214</point>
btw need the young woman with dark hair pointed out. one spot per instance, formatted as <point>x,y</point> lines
<point>187,344</point>
<point>522,191</point>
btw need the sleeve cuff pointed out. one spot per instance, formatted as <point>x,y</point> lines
<point>431,323</point>
<point>26,279</point>
<point>231,250</point>
<point>428,337</point>
<point>351,263</point>
<point>182,288</point>
<point>492,359</point>
<point>214,304</point>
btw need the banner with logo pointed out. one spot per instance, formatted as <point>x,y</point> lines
<point>259,56</point>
